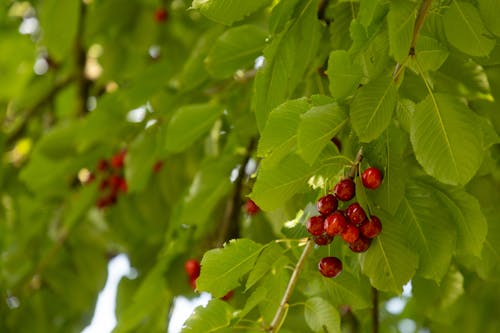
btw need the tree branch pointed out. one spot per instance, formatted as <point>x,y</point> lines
<point>280,313</point>
<point>229,227</point>
<point>83,84</point>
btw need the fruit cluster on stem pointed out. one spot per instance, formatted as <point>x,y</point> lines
<point>351,223</point>
<point>112,181</point>
<point>110,174</point>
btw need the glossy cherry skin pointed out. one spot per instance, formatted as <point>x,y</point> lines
<point>251,207</point>
<point>345,189</point>
<point>350,233</point>
<point>355,213</point>
<point>327,204</point>
<point>335,223</point>
<point>315,225</point>
<point>322,239</point>
<point>330,266</point>
<point>372,227</point>
<point>361,244</point>
<point>371,178</point>
<point>192,268</point>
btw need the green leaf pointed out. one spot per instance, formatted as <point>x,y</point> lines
<point>236,48</point>
<point>287,58</point>
<point>345,288</point>
<point>257,297</point>
<point>344,75</point>
<point>489,10</point>
<point>189,123</point>
<point>210,184</point>
<point>386,153</point>
<point>471,224</point>
<point>429,224</point>
<point>321,316</point>
<point>274,186</point>
<point>141,157</point>
<point>372,108</point>
<point>194,71</point>
<point>150,297</point>
<point>279,137</point>
<point>465,29</point>
<point>275,284</point>
<point>211,318</point>
<point>264,263</point>
<point>59,22</point>
<point>222,269</point>
<point>389,263</point>
<point>401,20</point>
<point>430,53</point>
<point>227,11</point>
<point>317,127</point>
<point>445,139</point>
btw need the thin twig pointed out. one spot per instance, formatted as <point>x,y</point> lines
<point>280,313</point>
<point>375,321</point>
<point>354,168</point>
<point>419,22</point>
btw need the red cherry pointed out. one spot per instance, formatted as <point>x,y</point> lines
<point>330,266</point>
<point>350,234</point>
<point>327,204</point>
<point>251,207</point>
<point>89,179</point>
<point>157,166</point>
<point>335,224</point>
<point>322,239</point>
<point>228,296</point>
<point>355,213</point>
<point>192,268</point>
<point>118,160</point>
<point>315,225</point>
<point>372,227</point>
<point>104,184</point>
<point>345,189</point>
<point>106,201</point>
<point>371,178</point>
<point>102,165</point>
<point>161,15</point>
<point>361,244</point>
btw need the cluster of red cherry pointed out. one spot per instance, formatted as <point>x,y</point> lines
<point>352,224</point>
<point>112,181</point>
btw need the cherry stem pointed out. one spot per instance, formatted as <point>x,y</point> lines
<point>281,312</point>
<point>375,320</point>
<point>354,168</point>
